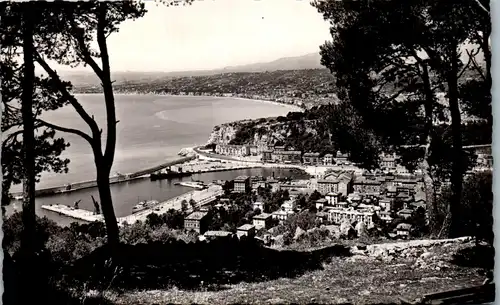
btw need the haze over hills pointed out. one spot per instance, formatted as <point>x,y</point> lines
<point>308,61</point>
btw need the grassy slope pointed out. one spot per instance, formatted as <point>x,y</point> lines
<point>358,279</point>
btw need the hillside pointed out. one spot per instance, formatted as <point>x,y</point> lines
<point>299,87</point>
<point>85,78</point>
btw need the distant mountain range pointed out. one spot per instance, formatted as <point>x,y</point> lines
<point>308,61</point>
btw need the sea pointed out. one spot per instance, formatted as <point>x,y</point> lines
<point>151,130</point>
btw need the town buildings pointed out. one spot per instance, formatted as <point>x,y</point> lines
<point>258,205</point>
<point>370,186</point>
<point>337,216</point>
<point>262,221</point>
<point>328,159</point>
<point>311,159</point>
<point>242,184</point>
<point>247,230</point>
<point>333,198</point>
<point>196,221</point>
<point>327,185</point>
<point>232,150</point>
<point>286,156</point>
<point>213,235</point>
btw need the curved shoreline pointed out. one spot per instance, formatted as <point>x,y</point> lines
<point>290,106</point>
<point>294,107</point>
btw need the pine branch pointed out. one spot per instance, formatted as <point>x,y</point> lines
<point>72,100</point>
<point>67,130</point>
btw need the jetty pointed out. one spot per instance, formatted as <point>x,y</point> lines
<point>119,178</point>
<point>202,197</point>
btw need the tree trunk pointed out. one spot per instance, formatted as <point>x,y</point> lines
<point>456,129</point>
<point>107,206</point>
<point>485,45</point>
<point>430,194</point>
<point>29,218</point>
<point>104,170</point>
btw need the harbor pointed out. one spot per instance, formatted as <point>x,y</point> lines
<point>118,178</point>
<point>202,197</point>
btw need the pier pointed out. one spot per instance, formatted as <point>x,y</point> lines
<point>112,180</point>
<point>202,197</point>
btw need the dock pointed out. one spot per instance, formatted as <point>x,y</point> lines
<point>68,211</point>
<point>202,197</point>
<point>112,180</point>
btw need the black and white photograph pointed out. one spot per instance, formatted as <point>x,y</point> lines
<point>247,152</point>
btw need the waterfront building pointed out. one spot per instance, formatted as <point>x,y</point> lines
<point>232,150</point>
<point>196,221</point>
<point>289,156</point>
<point>267,156</point>
<point>311,158</point>
<point>242,184</point>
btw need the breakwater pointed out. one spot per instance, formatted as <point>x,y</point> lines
<point>112,180</point>
<point>202,197</point>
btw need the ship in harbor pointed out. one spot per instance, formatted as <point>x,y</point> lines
<point>194,184</point>
<point>144,205</point>
<point>168,174</point>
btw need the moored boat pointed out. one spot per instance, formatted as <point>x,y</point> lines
<point>144,205</point>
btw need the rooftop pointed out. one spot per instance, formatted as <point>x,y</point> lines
<point>310,154</point>
<point>196,215</point>
<point>403,226</point>
<point>262,216</point>
<point>246,227</point>
<point>217,233</point>
<point>405,211</point>
<point>328,181</point>
<point>241,178</point>
<point>289,152</point>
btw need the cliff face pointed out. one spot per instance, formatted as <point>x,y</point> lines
<point>222,134</point>
<point>263,132</point>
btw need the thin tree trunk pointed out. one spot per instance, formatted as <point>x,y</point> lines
<point>487,58</point>
<point>107,206</point>
<point>28,215</point>
<point>456,129</point>
<point>104,170</point>
<point>28,267</point>
<point>430,194</point>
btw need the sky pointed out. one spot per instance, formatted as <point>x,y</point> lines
<point>213,34</point>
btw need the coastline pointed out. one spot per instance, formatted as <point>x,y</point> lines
<point>294,107</point>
